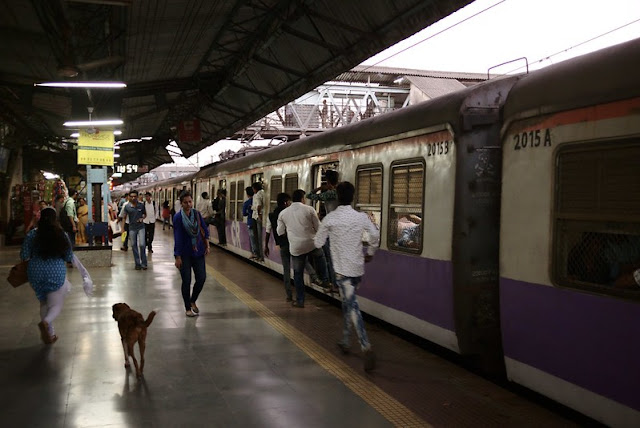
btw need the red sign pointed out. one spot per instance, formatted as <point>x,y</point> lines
<point>189,131</point>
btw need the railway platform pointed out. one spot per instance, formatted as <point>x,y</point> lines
<point>248,360</point>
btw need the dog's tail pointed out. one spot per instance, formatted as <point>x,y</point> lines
<point>151,316</point>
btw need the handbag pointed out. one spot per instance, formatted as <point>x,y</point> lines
<point>18,274</point>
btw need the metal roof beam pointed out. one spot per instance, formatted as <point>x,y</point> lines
<point>311,39</point>
<point>280,67</point>
<point>252,90</point>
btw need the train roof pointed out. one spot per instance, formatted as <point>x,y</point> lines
<point>168,181</point>
<point>412,120</point>
<point>597,77</point>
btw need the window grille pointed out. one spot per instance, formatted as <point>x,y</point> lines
<point>597,218</point>
<point>290,183</point>
<point>232,201</point>
<point>276,187</point>
<point>369,192</point>
<point>406,207</point>
<point>240,199</point>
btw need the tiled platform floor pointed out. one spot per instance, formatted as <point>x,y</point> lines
<point>249,360</point>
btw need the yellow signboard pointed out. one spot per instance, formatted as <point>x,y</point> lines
<point>95,147</point>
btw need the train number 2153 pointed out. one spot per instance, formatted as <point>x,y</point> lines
<point>536,138</point>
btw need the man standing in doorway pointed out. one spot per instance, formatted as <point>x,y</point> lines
<point>300,223</point>
<point>329,198</point>
<point>136,213</point>
<point>345,229</point>
<point>149,220</point>
<point>221,216</point>
<point>248,213</point>
<point>257,206</point>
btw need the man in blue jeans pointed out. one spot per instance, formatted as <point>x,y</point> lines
<point>300,222</point>
<point>283,201</point>
<point>344,227</point>
<point>136,214</point>
<point>248,213</point>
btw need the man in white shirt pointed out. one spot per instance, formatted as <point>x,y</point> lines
<point>149,220</point>
<point>300,223</point>
<point>257,209</point>
<point>204,207</point>
<point>345,229</point>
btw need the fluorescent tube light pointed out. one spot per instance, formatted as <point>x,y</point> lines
<point>117,132</point>
<point>91,123</point>
<point>113,85</point>
<point>75,135</point>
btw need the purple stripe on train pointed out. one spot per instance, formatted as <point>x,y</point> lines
<point>418,286</point>
<point>588,340</point>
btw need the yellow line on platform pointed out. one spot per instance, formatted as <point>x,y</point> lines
<point>387,406</point>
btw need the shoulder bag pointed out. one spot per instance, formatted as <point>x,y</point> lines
<point>18,274</point>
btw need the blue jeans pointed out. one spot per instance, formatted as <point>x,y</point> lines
<point>137,243</point>
<point>257,230</point>
<point>298,270</point>
<point>327,254</point>
<point>285,255</point>
<point>200,272</point>
<point>351,310</point>
<point>252,240</point>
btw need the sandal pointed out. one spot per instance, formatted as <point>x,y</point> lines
<point>194,308</point>
<point>191,314</point>
<point>44,332</point>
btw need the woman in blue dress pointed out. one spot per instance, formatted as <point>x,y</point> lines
<point>48,249</point>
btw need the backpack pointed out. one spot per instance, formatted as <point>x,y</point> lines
<point>214,204</point>
<point>64,220</point>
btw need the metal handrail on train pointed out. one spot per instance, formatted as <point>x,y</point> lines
<point>526,61</point>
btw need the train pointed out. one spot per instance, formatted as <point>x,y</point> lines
<point>509,215</point>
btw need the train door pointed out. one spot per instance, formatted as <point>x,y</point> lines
<point>319,179</point>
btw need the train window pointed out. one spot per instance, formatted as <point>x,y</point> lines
<point>240,199</point>
<point>369,192</point>
<point>597,227</point>
<point>276,187</point>
<point>290,183</point>
<point>232,201</point>
<point>259,177</point>
<point>405,208</point>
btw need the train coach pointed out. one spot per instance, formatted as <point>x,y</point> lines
<point>509,215</point>
<point>570,233</point>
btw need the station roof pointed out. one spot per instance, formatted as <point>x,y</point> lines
<point>225,62</point>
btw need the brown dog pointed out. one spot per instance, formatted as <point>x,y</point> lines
<point>133,328</point>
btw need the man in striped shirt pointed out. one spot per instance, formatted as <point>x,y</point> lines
<point>345,229</point>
